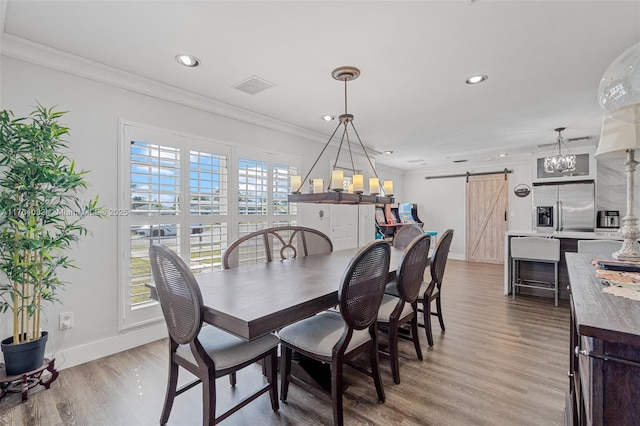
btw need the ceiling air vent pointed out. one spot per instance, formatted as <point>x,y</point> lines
<point>253,85</point>
<point>415,161</point>
<point>460,161</point>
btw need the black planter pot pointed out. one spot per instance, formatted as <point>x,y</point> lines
<point>23,357</point>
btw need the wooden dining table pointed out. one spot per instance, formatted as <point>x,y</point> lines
<point>252,301</point>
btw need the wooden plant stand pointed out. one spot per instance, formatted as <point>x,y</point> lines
<point>21,383</point>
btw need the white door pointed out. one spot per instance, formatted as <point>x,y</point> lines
<point>344,226</point>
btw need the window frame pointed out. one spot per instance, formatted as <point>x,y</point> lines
<point>131,316</point>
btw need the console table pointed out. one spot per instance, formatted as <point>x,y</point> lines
<point>604,373</point>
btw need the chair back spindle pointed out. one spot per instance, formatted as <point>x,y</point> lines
<point>277,243</point>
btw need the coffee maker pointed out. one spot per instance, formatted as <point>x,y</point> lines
<point>608,219</point>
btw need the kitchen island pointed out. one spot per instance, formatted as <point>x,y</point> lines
<point>568,244</point>
<point>604,374</point>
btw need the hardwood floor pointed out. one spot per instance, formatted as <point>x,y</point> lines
<point>500,362</point>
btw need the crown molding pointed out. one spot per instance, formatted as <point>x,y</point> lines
<point>35,53</point>
<point>38,54</point>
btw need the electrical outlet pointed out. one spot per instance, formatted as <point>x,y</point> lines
<point>66,320</point>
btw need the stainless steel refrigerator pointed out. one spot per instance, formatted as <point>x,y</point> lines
<point>564,206</point>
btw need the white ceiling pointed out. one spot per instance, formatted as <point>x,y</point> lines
<point>544,60</point>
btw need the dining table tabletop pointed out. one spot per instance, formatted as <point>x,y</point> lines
<point>251,301</point>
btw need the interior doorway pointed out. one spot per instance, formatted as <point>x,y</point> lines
<point>487,199</point>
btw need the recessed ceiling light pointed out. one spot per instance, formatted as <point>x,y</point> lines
<point>187,60</point>
<point>328,117</point>
<point>388,152</point>
<point>475,79</point>
<point>503,154</point>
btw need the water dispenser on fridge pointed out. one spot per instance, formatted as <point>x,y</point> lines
<point>544,218</point>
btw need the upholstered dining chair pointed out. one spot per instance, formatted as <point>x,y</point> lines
<point>433,289</point>
<point>397,311</point>
<point>282,242</point>
<point>335,337</point>
<point>405,235</point>
<point>602,248</point>
<point>206,352</point>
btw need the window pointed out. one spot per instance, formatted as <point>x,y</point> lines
<point>263,186</point>
<point>179,193</point>
<point>281,177</point>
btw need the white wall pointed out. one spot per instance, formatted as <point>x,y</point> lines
<point>94,109</point>
<point>442,205</point>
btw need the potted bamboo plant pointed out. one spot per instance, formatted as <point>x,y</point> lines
<point>41,215</point>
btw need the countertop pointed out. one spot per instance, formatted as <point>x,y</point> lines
<point>598,235</point>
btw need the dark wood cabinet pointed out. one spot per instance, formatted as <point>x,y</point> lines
<point>604,375</point>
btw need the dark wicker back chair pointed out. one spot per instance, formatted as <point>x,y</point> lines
<point>206,352</point>
<point>337,337</point>
<point>179,295</point>
<point>410,273</point>
<point>363,285</point>
<point>405,235</point>
<point>402,309</point>
<point>433,290</point>
<point>283,242</point>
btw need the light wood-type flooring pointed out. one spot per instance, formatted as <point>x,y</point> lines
<point>500,362</point>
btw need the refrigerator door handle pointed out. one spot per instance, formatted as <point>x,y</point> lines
<point>560,226</point>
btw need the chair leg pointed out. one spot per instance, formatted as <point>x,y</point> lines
<point>426,312</point>
<point>209,399</point>
<point>556,282</point>
<point>393,351</point>
<point>513,278</point>
<point>272,377</point>
<point>415,336</point>
<point>375,369</point>
<point>439,308</point>
<point>232,379</point>
<point>336,391</point>
<point>172,385</point>
<point>285,371</point>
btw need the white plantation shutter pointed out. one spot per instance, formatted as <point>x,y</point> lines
<point>180,192</point>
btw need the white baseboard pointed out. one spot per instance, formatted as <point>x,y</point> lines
<point>456,256</point>
<point>77,355</point>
